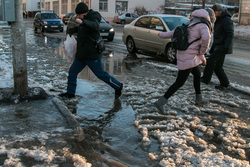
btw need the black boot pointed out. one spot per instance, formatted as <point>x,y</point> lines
<point>67,95</point>
<point>221,87</point>
<point>118,92</point>
<point>199,100</point>
<point>159,104</point>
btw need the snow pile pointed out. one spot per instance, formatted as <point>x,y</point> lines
<point>242,32</point>
<point>6,68</point>
<point>189,135</point>
<point>33,148</point>
<point>41,155</point>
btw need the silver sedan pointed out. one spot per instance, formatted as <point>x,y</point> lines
<point>142,34</point>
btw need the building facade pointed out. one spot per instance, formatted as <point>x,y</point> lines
<point>107,8</point>
<point>244,12</point>
<point>31,5</point>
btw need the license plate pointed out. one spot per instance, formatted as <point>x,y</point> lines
<point>54,26</point>
<point>104,34</point>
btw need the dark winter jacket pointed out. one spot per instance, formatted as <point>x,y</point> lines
<point>223,33</point>
<point>88,29</point>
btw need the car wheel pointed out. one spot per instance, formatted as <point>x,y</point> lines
<point>170,54</point>
<point>110,38</point>
<point>35,29</point>
<point>123,22</point>
<point>131,45</point>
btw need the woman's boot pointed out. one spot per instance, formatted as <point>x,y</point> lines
<point>159,104</point>
<point>199,100</point>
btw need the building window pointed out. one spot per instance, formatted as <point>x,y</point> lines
<point>24,7</point>
<point>121,7</point>
<point>73,5</point>
<point>38,5</point>
<point>64,6</point>
<point>87,2</point>
<point>103,5</point>
<point>47,6</point>
<point>55,7</point>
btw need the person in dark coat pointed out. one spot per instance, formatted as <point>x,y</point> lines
<point>87,55</point>
<point>222,45</point>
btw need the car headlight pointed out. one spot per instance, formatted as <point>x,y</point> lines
<point>111,30</point>
<point>45,22</point>
<point>61,22</point>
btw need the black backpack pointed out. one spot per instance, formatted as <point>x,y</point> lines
<point>180,37</point>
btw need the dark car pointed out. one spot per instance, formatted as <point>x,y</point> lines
<point>66,18</point>
<point>47,21</point>
<point>106,30</point>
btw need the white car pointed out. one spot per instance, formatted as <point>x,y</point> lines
<point>125,18</point>
<point>235,17</point>
<point>142,34</point>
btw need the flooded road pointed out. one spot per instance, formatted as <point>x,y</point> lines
<point>111,138</point>
<point>129,131</point>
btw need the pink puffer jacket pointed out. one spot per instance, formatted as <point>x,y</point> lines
<point>194,55</point>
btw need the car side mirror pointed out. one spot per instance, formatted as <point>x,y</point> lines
<point>160,28</point>
<point>107,22</point>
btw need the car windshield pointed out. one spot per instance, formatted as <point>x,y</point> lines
<point>49,16</point>
<point>102,20</point>
<point>173,22</point>
<point>69,14</point>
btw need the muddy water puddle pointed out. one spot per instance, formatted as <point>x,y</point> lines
<point>111,138</point>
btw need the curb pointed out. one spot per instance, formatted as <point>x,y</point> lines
<point>73,123</point>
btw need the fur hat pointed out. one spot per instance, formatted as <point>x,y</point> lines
<point>211,15</point>
<point>81,8</point>
<point>217,7</point>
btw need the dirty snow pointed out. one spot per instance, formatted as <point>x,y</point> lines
<point>213,135</point>
<point>189,135</point>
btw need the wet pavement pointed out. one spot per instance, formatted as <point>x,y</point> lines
<point>111,139</point>
<point>128,131</point>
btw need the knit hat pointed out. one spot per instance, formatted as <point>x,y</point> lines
<point>217,7</point>
<point>211,15</point>
<point>81,8</point>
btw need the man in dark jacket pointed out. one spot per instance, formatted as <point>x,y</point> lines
<point>87,54</point>
<point>222,45</point>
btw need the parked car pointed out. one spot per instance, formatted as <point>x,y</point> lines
<point>106,30</point>
<point>125,18</point>
<point>235,17</point>
<point>66,17</point>
<point>142,34</point>
<point>47,21</point>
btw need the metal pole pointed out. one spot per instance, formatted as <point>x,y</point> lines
<point>19,59</point>
<point>203,4</point>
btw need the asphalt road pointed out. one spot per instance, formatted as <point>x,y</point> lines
<point>236,66</point>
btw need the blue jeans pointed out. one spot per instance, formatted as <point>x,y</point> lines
<point>96,68</point>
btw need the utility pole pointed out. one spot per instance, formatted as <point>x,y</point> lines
<point>203,4</point>
<point>19,59</point>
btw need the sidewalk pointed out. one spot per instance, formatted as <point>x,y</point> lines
<point>40,129</point>
<point>37,129</point>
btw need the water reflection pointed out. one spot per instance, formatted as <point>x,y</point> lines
<point>113,62</point>
<point>43,40</point>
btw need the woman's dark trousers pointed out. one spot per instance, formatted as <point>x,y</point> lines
<point>181,79</point>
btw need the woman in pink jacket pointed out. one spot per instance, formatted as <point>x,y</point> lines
<point>188,61</point>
